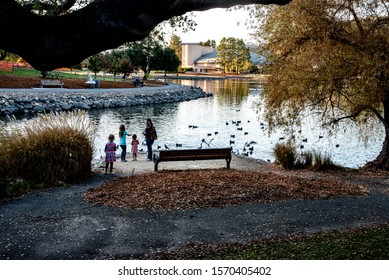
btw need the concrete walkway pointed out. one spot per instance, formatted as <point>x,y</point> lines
<point>59,224</point>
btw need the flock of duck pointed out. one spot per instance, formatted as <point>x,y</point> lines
<point>248,147</point>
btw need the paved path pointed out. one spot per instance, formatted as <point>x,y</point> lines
<point>59,224</point>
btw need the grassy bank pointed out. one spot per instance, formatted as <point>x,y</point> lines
<point>28,72</point>
<point>369,243</point>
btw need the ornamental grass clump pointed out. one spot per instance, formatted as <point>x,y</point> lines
<point>287,156</point>
<point>51,149</point>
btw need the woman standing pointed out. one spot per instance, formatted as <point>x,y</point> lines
<point>123,142</point>
<point>151,134</point>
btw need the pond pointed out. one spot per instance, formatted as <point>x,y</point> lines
<point>230,118</point>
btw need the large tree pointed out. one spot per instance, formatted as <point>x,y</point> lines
<point>48,41</point>
<point>329,57</point>
<point>233,54</point>
<point>175,44</point>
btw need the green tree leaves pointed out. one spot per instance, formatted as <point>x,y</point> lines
<point>233,54</point>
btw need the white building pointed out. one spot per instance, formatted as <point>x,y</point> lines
<point>204,59</point>
<point>200,58</point>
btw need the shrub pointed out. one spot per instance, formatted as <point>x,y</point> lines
<point>51,149</point>
<point>323,162</point>
<point>285,154</point>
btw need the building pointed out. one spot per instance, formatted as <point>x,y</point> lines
<point>204,59</point>
<point>200,58</point>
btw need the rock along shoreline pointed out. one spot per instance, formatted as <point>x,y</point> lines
<point>44,100</point>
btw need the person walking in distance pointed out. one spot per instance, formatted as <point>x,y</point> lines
<point>151,135</point>
<point>110,153</point>
<point>123,142</point>
<point>134,147</point>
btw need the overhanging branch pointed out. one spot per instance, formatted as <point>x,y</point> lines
<point>49,42</point>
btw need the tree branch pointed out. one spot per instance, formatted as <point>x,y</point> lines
<point>49,42</point>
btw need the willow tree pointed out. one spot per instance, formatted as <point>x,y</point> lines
<point>330,57</point>
<point>49,36</point>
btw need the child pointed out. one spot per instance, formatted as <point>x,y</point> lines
<point>123,142</point>
<point>110,153</point>
<point>134,148</point>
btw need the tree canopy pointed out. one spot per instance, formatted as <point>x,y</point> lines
<point>233,54</point>
<point>48,41</point>
<point>330,58</point>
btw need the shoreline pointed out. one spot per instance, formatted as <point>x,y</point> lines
<point>32,101</point>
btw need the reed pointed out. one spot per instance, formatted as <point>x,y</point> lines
<point>53,148</point>
<point>287,156</point>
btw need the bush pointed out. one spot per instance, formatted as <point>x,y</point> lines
<point>287,155</point>
<point>51,149</point>
<point>323,162</point>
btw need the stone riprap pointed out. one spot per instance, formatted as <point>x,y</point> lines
<point>32,101</point>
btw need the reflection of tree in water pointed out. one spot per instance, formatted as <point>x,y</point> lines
<point>227,91</point>
<point>234,91</point>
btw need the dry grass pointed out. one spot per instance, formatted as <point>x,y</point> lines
<point>168,190</point>
<point>50,148</point>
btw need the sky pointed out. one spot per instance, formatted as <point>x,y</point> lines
<point>215,24</point>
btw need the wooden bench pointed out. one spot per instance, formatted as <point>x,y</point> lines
<point>192,154</point>
<point>53,83</point>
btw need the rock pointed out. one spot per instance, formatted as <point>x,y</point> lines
<point>36,101</point>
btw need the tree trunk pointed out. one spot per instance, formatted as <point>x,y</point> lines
<point>382,160</point>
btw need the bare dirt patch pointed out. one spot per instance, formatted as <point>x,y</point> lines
<point>185,189</point>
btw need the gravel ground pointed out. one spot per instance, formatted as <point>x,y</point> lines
<point>60,224</point>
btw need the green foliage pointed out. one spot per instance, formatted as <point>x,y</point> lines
<point>175,44</point>
<point>50,150</point>
<point>53,7</point>
<point>149,55</point>
<point>208,43</point>
<point>117,62</point>
<point>95,63</point>
<point>233,55</point>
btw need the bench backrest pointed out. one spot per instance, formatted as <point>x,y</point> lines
<point>195,154</point>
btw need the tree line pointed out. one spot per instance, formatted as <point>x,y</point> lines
<point>149,54</point>
<point>145,55</point>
